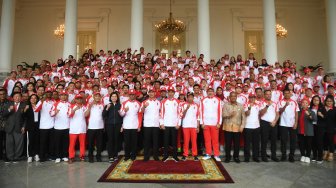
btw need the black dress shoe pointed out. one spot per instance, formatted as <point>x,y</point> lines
<point>246,160</point>
<point>156,159</point>
<point>236,160</point>
<point>275,159</point>
<point>176,159</point>
<point>264,159</point>
<point>183,158</point>
<point>133,158</point>
<point>90,159</point>
<point>98,159</point>
<point>284,158</point>
<point>146,159</point>
<point>256,160</point>
<point>291,159</point>
<point>126,158</point>
<point>227,160</point>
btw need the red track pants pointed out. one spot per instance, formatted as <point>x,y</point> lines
<point>190,134</point>
<point>72,144</point>
<point>211,134</point>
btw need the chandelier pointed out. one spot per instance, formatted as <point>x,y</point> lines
<point>281,32</point>
<point>170,26</point>
<point>59,31</point>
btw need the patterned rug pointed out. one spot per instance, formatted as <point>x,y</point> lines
<point>189,171</point>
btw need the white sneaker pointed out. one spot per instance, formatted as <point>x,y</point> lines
<point>303,159</point>
<point>65,159</point>
<point>37,158</point>
<point>217,159</point>
<point>307,160</point>
<point>206,157</point>
<point>58,160</point>
<point>30,159</point>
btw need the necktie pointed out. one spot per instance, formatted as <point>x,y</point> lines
<point>15,107</point>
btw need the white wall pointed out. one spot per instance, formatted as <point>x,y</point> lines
<point>306,42</point>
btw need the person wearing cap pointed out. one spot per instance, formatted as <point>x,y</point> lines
<point>151,125</point>
<point>211,120</point>
<point>305,130</point>
<point>132,120</point>
<point>95,129</point>
<point>189,115</point>
<point>269,117</point>
<point>252,129</point>
<point>46,125</point>
<point>60,111</point>
<point>77,129</point>
<point>169,114</point>
<point>288,110</point>
<point>234,121</point>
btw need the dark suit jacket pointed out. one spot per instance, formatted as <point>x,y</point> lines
<point>14,120</point>
<point>30,123</point>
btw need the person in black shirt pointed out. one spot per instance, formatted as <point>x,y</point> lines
<point>113,122</point>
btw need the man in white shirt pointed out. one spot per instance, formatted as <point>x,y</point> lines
<point>252,129</point>
<point>211,120</point>
<point>130,110</point>
<point>44,106</point>
<point>151,125</point>
<point>95,130</point>
<point>288,123</point>
<point>190,118</point>
<point>60,111</point>
<point>269,116</point>
<point>169,123</point>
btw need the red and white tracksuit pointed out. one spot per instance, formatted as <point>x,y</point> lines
<point>77,130</point>
<point>210,117</point>
<point>190,123</point>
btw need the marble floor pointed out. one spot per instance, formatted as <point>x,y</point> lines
<point>83,174</point>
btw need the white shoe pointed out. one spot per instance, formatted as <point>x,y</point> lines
<point>30,159</point>
<point>307,160</point>
<point>217,159</point>
<point>206,157</point>
<point>65,159</point>
<point>58,160</point>
<point>37,158</point>
<point>303,159</point>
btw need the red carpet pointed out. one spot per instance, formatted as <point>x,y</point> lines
<point>169,167</point>
<point>189,171</point>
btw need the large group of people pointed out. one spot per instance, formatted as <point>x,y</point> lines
<point>176,107</point>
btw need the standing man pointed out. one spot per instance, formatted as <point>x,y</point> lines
<point>269,117</point>
<point>288,124</point>
<point>44,106</point>
<point>3,104</point>
<point>233,124</point>
<point>211,120</point>
<point>14,128</point>
<point>169,123</point>
<point>130,110</point>
<point>151,109</point>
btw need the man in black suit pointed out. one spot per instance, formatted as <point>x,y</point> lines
<point>14,128</point>
<point>3,104</point>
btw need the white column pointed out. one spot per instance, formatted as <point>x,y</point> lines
<point>7,34</point>
<point>137,24</point>
<point>270,40</point>
<point>203,17</point>
<point>331,30</point>
<point>70,30</point>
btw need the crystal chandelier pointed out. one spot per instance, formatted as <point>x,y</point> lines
<point>170,26</point>
<point>59,31</point>
<point>281,32</point>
